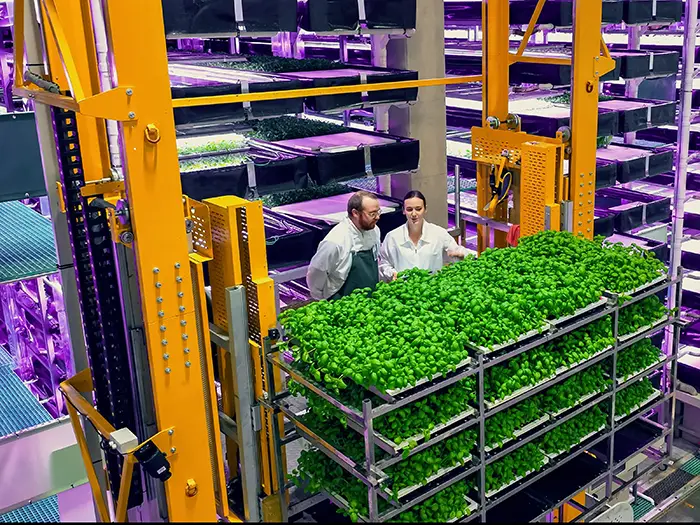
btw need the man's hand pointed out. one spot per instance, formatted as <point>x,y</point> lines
<point>394,276</point>
<point>458,254</point>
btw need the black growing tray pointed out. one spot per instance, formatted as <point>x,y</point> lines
<point>558,13</point>
<point>218,17</point>
<point>656,209</point>
<point>637,162</point>
<point>287,173</point>
<point>604,223</point>
<point>223,113</point>
<point>641,11</point>
<point>343,15</point>
<point>641,64</point>
<point>652,113</point>
<point>624,219</point>
<point>284,248</point>
<point>323,167</point>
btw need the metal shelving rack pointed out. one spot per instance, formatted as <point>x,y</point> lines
<point>370,469</point>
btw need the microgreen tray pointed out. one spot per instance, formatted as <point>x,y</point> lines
<point>643,329</point>
<point>523,430</point>
<point>636,407</point>
<point>554,455</point>
<point>646,286</point>
<point>473,505</point>
<point>390,395</point>
<point>621,380</point>
<point>581,311</point>
<point>493,492</point>
<point>563,369</point>
<point>527,335</point>
<point>518,392</point>
<point>418,438</point>
<point>578,402</point>
<point>409,490</point>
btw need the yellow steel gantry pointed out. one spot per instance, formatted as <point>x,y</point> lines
<point>169,264</point>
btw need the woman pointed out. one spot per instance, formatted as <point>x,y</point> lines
<point>418,243</point>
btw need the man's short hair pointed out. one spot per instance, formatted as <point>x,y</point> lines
<point>355,202</point>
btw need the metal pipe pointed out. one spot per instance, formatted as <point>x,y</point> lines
<point>458,199</point>
<point>102,47</point>
<point>689,38</point>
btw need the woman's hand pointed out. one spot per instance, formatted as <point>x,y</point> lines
<point>395,275</point>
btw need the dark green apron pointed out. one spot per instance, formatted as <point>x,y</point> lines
<point>364,273</point>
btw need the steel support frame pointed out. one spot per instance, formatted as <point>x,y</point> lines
<point>370,471</point>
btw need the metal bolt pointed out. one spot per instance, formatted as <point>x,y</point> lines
<point>183,323</point>
<point>129,91</point>
<point>182,308</point>
<point>164,342</point>
<point>188,364</point>
<point>158,284</point>
<point>187,350</point>
<point>173,450</point>
<point>163,328</point>
<point>156,270</point>
<point>166,356</point>
<point>167,370</point>
<point>161,314</point>
<point>132,115</point>
<point>171,432</point>
<point>126,237</point>
<point>185,337</point>
<point>178,279</point>
<point>180,294</point>
<point>177,265</point>
<point>159,299</point>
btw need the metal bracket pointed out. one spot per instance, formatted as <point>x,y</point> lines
<point>257,420</point>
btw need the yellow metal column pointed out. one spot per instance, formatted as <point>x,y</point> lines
<point>154,195</point>
<point>496,87</point>
<point>588,66</point>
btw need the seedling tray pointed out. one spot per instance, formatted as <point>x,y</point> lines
<point>638,406</point>
<point>419,438</point>
<point>508,344</point>
<point>323,16</point>
<point>578,403</point>
<point>621,380</point>
<point>524,430</point>
<point>410,490</point>
<point>634,163</point>
<point>520,391</point>
<point>626,216</point>
<point>580,312</point>
<point>473,505</point>
<point>645,11</point>
<point>493,492</point>
<point>391,395</point>
<point>639,114</point>
<point>641,64</point>
<point>563,369</point>
<point>647,286</point>
<point>211,18</point>
<point>655,208</point>
<point>554,455</point>
<point>643,329</point>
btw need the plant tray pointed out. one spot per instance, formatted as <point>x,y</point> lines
<point>563,369</point>
<point>473,505</point>
<point>638,406</point>
<point>391,395</point>
<point>647,286</point>
<point>418,438</point>
<point>518,393</point>
<point>579,402</point>
<point>554,455</point>
<point>409,490</point>
<point>503,346</point>
<point>644,329</point>
<point>523,430</point>
<point>493,492</point>
<point>580,312</point>
<point>621,380</point>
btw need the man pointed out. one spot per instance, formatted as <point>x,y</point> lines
<point>347,259</point>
